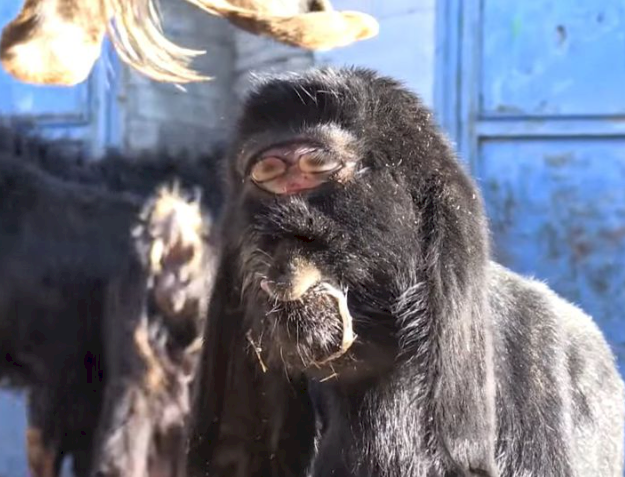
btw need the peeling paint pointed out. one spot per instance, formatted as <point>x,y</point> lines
<point>558,160</point>
<point>561,34</point>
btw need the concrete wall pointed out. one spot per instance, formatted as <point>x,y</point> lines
<point>255,54</point>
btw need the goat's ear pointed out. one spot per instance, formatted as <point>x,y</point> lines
<point>57,42</point>
<point>321,28</point>
<point>53,41</point>
<point>171,240</point>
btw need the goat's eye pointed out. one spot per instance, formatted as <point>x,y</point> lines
<point>316,163</point>
<point>267,169</point>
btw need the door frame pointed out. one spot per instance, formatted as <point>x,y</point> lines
<point>448,77</point>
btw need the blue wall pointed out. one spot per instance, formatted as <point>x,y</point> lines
<point>534,94</point>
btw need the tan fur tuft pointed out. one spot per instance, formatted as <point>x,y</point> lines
<point>176,224</point>
<point>154,379</point>
<point>40,458</point>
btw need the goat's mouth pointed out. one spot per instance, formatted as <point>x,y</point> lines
<point>308,324</point>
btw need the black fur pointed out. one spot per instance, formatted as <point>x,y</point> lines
<point>74,290</point>
<point>459,368</point>
<point>140,174</point>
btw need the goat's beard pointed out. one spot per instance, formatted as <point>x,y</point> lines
<point>310,335</point>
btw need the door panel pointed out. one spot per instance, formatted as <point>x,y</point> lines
<point>533,93</point>
<point>546,57</point>
<point>558,216</point>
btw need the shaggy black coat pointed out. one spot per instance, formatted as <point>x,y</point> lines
<point>459,367</point>
<point>79,328</point>
<point>140,174</point>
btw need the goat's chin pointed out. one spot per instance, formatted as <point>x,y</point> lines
<point>302,336</point>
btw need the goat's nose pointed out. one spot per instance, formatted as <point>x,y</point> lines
<point>291,285</point>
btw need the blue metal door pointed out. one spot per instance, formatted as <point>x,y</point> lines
<point>81,117</point>
<point>534,94</point>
